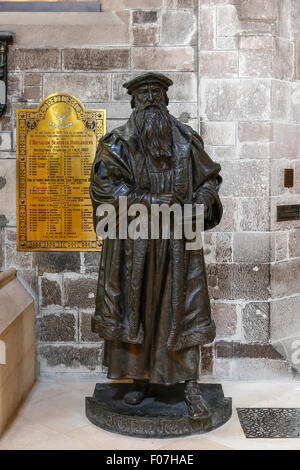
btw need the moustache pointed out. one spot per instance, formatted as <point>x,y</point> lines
<point>151,105</point>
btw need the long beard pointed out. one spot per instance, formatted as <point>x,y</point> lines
<point>155,128</point>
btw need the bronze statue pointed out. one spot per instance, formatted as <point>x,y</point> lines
<point>152,303</point>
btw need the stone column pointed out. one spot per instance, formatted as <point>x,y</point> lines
<point>246,67</point>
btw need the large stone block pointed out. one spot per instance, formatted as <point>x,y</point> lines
<point>51,291</point>
<point>184,86</point>
<point>118,5</point>
<point>91,262</point>
<point>280,100</point>
<point>285,199</point>
<point>44,29</point>
<point>227,43</point>
<point>113,123</point>
<point>163,58</point>
<point>186,4</point>
<point>297,45</point>
<point>285,278</point>
<point>240,350</point>
<point>17,259</point>
<point>219,2</point>
<point>207,360</point>
<point>218,133</point>
<point>256,322</point>
<point>5,141</point>
<point>229,219</point>
<point>278,166</point>
<point>34,59</point>
<point>225,318</point>
<point>297,177</point>
<point>80,291</point>
<point>286,140</point>
<point>222,368</point>
<point>57,327</point>
<point>142,16</point>
<point>71,357</point>
<point>295,101</point>
<point>56,262</point>
<point>5,125</point>
<point>218,247</point>
<point>178,28</point>
<point>279,246</point>
<point>253,131</point>
<point>295,15</point>
<point>283,56</point>
<point>221,152</point>
<point>254,150</point>
<point>284,315</point>
<point>209,248</point>
<point>228,100</point>
<point>32,93</point>
<point>251,247</point>
<point>118,92</point>
<point>183,111</point>
<point>218,64</point>
<point>33,79</point>
<point>86,87</point>
<point>207,28</point>
<point>8,190</point>
<point>239,281</point>
<point>113,110</point>
<point>294,244</point>
<point>228,23</point>
<point>245,178</point>
<point>14,84</point>
<point>258,10</point>
<point>145,36</point>
<point>97,60</point>
<point>85,333</point>
<point>255,57</point>
<point>223,243</point>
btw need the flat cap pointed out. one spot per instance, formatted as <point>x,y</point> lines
<point>145,78</point>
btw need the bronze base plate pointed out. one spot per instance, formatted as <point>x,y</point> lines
<point>162,414</point>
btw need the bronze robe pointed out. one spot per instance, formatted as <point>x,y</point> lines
<point>152,303</point>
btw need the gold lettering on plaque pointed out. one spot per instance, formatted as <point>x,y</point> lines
<point>56,145</point>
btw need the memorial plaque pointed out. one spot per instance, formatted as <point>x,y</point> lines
<point>56,145</point>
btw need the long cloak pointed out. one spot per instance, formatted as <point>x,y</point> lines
<point>152,303</point>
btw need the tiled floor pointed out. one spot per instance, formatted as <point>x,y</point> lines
<point>53,418</point>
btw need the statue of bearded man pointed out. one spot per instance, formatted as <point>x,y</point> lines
<point>152,303</point>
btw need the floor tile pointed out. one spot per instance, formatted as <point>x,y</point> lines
<point>53,417</point>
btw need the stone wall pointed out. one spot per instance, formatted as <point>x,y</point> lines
<point>232,63</point>
<point>246,59</point>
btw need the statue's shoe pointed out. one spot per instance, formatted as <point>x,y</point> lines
<point>197,407</point>
<point>137,394</point>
